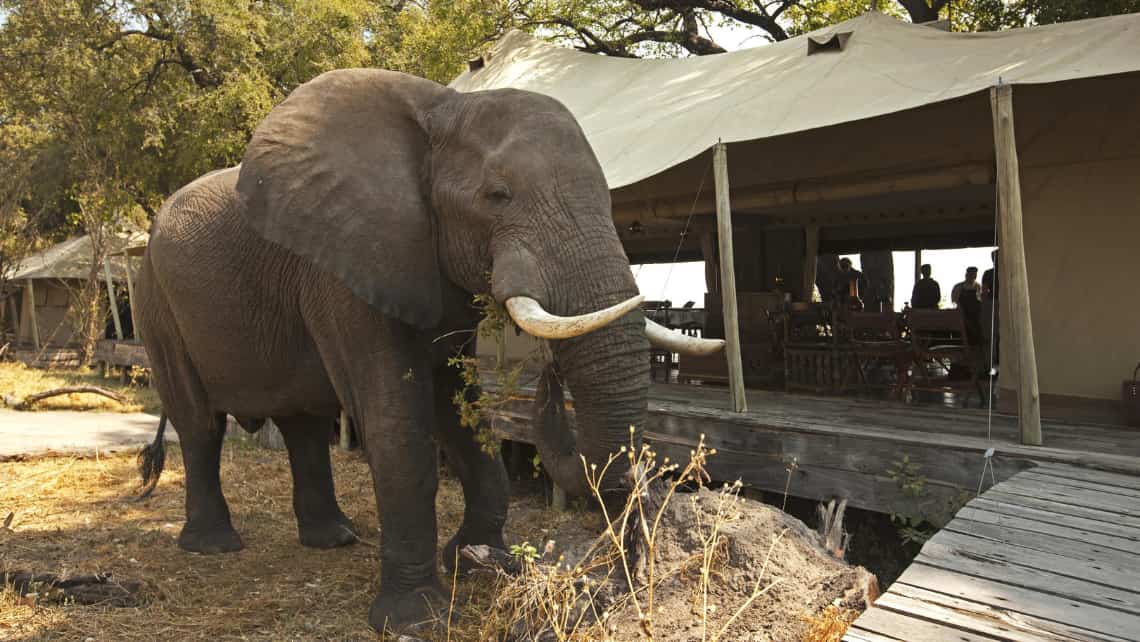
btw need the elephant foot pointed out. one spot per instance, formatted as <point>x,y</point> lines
<point>217,539</point>
<point>329,533</point>
<point>462,538</point>
<point>416,612</point>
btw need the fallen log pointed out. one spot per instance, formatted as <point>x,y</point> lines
<point>100,588</point>
<point>29,401</point>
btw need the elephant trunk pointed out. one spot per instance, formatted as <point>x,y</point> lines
<point>607,371</point>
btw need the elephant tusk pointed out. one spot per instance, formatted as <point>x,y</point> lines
<point>535,321</point>
<point>662,337</point>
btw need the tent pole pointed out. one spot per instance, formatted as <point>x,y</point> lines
<point>1014,274</point>
<point>32,310</point>
<point>111,298</point>
<point>917,268</point>
<point>345,439</point>
<point>811,257</point>
<point>728,279</point>
<point>708,253</point>
<point>131,298</point>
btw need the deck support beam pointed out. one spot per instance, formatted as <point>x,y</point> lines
<point>728,279</point>
<point>1013,273</point>
<point>111,299</point>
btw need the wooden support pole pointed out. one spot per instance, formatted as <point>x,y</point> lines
<point>708,253</point>
<point>10,301</point>
<point>345,436</point>
<point>728,279</point>
<point>1014,275</point>
<point>32,312</point>
<point>811,258</point>
<point>917,267</point>
<point>111,298</point>
<point>131,298</point>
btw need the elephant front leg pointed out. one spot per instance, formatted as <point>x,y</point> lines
<point>402,456</point>
<point>486,489</point>
<point>320,522</point>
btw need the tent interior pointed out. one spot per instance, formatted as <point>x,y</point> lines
<point>924,179</point>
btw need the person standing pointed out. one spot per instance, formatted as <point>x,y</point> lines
<point>848,286</point>
<point>967,296</point>
<point>990,314</point>
<point>927,294</point>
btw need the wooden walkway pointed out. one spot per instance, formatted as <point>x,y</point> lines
<point>1052,553</point>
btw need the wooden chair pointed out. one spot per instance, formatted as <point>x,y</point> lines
<point>875,339</point>
<point>939,337</point>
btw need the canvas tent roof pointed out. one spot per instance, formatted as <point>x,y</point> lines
<point>645,116</point>
<point>71,259</point>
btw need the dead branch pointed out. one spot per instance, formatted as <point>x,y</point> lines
<point>30,400</point>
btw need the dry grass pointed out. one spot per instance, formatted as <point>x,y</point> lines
<point>673,565</point>
<point>72,516</point>
<point>18,380</point>
<point>830,625</point>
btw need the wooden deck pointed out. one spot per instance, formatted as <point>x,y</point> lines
<point>1053,553</point>
<point>842,447</point>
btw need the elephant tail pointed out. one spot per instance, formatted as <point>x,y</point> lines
<point>151,460</point>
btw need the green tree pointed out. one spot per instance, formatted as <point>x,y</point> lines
<point>109,106</point>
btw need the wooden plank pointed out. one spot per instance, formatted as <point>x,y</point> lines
<point>728,278</point>
<point>1078,497</point>
<point>1050,511</point>
<point>905,627</point>
<point>1087,552</point>
<point>1028,520</point>
<point>111,299</point>
<point>1085,474</point>
<point>1014,275</point>
<point>1046,479</point>
<point>855,635</point>
<point>1109,575</point>
<point>1001,595</point>
<point>1002,623</point>
<point>966,562</point>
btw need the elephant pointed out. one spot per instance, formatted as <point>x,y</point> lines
<point>334,268</point>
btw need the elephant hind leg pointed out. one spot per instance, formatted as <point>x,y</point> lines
<point>208,528</point>
<point>200,431</point>
<point>320,522</point>
<point>486,489</point>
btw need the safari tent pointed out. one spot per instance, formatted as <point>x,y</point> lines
<point>875,134</point>
<point>44,284</point>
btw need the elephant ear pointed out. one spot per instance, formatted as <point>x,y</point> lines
<point>334,174</point>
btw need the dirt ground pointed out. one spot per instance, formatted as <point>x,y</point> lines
<point>72,516</point>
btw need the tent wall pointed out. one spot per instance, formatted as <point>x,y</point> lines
<point>1080,150</point>
<point>1082,226</point>
<point>52,303</point>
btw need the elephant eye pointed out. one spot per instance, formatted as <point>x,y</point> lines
<point>499,194</point>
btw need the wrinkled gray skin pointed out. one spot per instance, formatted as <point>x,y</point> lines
<point>369,208</point>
